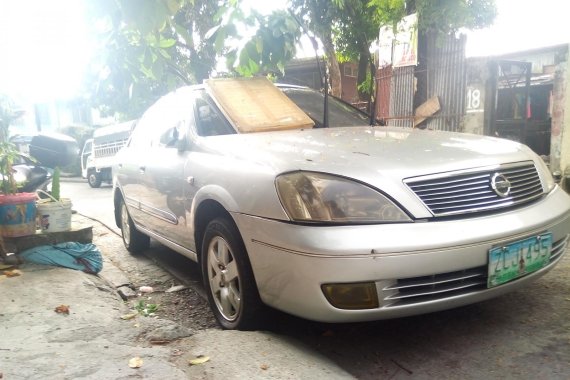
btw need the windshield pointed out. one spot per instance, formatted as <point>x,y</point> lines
<point>312,102</point>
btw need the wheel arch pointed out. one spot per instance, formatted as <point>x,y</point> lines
<point>207,211</point>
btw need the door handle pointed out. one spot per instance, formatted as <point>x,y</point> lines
<point>142,169</point>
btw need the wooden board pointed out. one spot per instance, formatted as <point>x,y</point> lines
<point>256,105</point>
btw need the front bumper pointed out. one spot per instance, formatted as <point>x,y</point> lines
<point>291,261</point>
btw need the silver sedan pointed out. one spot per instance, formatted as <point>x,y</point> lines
<point>330,218</point>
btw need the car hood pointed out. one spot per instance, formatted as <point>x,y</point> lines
<point>356,152</point>
<point>379,156</point>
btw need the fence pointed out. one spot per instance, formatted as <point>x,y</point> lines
<point>440,73</point>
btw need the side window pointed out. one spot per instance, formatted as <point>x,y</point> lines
<point>165,123</point>
<point>149,122</point>
<point>209,119</point>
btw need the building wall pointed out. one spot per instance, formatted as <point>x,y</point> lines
<point>475,102</point>
<point>563,127</point>
<point>349,74</point>
<point>550,62</point>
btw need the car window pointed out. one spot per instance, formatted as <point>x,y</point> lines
<point>209,120</point>
<point>164,123</point>
<point>340,114</point>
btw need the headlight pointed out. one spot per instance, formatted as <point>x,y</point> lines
<point>318,197</point>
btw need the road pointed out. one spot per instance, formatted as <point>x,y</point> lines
<point>523,335</point>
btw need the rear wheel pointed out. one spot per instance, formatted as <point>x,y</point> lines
<point>134,240</point>
<point>94,179</point>
<point>228,277</point>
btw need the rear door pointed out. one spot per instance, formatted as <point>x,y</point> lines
<point>161,170</point>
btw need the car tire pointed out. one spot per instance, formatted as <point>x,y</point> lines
<point>134,240</point>
<point>228,277</point>
<point>94,179</point>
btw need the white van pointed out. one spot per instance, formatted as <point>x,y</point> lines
<point>99,152</point>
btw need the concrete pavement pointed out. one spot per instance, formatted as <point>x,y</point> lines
<point>94,342</point>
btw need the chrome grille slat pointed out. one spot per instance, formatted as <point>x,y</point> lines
<point>463,200</point>
<point>435,280</point>
<point>470,190</point>
<point>461,193</point>
<point>454,181</point>
<point>410,291</point>
<point>436,290</point>
<point>482,205</point>
<point>558,248</point>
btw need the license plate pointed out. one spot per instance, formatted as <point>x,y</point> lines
<point>517,259</point>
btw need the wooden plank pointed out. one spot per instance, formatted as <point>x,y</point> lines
<point>18,244</point>
<point>426,110</point>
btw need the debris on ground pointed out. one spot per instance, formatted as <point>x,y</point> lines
<point>200,359</point>
<point>146,289</point>
<point>136,362</point>
<point>126,317</point>
<point>176,288</point>
<point>12,273</point>
<point>62,309</point>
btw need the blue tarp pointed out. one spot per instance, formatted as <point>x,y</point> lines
<point>83,257</point>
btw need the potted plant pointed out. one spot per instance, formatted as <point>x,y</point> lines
<point>54,212</point>
<point>17,210</point>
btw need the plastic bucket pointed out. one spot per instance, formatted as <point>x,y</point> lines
<point>18,214</point>
<point>54,216</point>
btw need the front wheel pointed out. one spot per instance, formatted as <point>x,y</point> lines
<point>134,240</point>
<point>228,277</point>
<point>94,179</point>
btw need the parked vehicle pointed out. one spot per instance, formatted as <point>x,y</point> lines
<point>99,152</point>
<point>334,221</point>
<point>40,153</point>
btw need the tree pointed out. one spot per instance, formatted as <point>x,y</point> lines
<point>319,17</point>
<point>154,46</point>
<point>147,49</point>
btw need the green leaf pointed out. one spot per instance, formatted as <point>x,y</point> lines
<point>164,54</point>
<point>166,43</point>
<point>212,31</point>
<point>173,5</point>
<point>220,40</point>
<point>183,32</point>
<point>259,45</point>
<point>147,60</point>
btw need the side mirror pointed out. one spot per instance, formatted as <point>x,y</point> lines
<point>183,144</point>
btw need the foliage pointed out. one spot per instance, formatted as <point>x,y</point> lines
<point>8,151</point>
<point>449,16</point>
<point>272,45</point>
<point>366,87</point>
<point>146,309</point>
<point>8,155</point>
<point>55,183</point>
<point>147,49</point>
<point>153,46</point>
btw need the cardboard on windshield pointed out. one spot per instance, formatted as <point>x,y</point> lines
<point>256,105</point>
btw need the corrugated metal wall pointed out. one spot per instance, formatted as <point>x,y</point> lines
<point>402,97</point>
<point>447,79</point>
<point>441,72</point>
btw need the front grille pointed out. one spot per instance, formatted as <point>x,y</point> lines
<point>558,248</point>
<point>469,192</point>
<point>410,291</point>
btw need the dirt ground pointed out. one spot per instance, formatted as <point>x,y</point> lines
<point>523,335</point>
<point>186,307</point>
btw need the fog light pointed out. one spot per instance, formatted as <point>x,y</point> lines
<point>355,296</point>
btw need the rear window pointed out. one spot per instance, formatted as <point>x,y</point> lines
<point>340,114</point>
